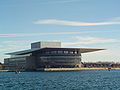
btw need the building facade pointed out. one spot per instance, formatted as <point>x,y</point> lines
<point>46,55</point>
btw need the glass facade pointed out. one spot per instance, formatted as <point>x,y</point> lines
<point>15,63</point>
<point>58,58</point>
<point>61,52</point>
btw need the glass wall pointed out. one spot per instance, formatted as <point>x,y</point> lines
<point>62,52</point>
<point>58,61</point>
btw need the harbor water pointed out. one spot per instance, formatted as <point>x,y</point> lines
<point>70,80</point>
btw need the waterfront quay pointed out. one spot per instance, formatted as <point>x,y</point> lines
<point>77,69</point>
<point>66,69</point>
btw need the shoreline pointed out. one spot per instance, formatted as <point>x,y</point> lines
<point>78,69</point>
<point>65,69</point>
<point>5,71</point>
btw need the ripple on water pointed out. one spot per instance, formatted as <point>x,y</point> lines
<point>74,80</point>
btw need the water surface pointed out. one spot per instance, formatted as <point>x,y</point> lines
<point>70,80</point>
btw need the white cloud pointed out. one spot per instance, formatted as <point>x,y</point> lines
<point>44,34</point>
<point>88,40</point>
<point>7,46</point>
<point>74,23</point>
<point>95,39</point>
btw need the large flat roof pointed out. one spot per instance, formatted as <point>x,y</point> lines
<point>82,50</point>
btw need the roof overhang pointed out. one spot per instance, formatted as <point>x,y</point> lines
<point>82,50</point>
<point>86,50</point>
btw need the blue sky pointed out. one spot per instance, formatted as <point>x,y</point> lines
<point>75,23</point>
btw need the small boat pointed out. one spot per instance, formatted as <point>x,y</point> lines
<point>17,72</point>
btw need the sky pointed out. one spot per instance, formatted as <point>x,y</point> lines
<point>75,23</point>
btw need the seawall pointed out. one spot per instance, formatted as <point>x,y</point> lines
<point>67,69</point>
<point>78,69</point>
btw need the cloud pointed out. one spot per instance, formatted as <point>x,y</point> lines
<point>44,34</point>
<point>7,46</point>
<point>74,23</point>
<point>88,40</point>
<point>95,39</point>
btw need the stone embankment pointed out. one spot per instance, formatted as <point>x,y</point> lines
<point>68,69</point>
<point>78,69</point>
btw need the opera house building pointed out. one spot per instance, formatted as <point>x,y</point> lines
<point>46,55</point>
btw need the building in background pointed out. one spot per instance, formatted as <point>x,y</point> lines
<point>1,66</point>
<point>46,55</point>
